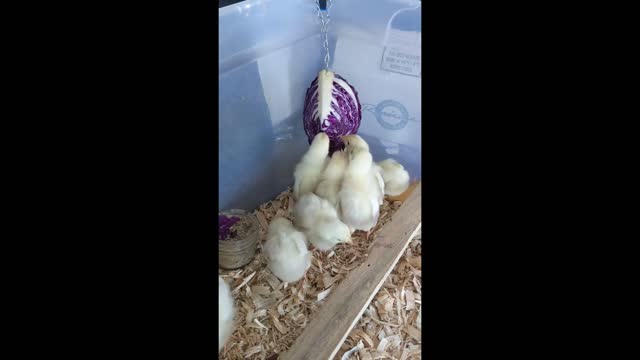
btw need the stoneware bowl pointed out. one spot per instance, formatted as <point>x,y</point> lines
<point>237,252</point>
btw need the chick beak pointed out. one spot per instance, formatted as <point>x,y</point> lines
<point>345,140</point>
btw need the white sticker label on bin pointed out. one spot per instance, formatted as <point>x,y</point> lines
<point>390,101</point>
<point>401,61</point>
<point>402,52</point>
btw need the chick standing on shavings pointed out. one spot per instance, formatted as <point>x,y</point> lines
<point>286,251</point>
<point>396,178</point>
<point>362,187</point>
<point>309,169</point>
<point>331,178</point>
<point>354,144</point>
<point>225,313</point>
<point>321,223</point>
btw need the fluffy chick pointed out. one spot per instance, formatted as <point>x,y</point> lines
<point>225,313</point>
<point>320,220</point>
<point>396,178</point>
<point>309,169</point>
<point>379,181</point>
<point>355,144</point>
<point>307,208</point>
<point>286,249</point>
<point>331,178</point>
<point>328,231</point>
<point>359,196</point>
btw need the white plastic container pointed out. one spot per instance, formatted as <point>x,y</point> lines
<point>270,51</point>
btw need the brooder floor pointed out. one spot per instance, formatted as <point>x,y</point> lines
<point>270,315</point>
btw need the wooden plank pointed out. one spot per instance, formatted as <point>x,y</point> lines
<point>322,337</point>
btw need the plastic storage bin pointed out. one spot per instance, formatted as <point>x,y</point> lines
<point>271,50</point>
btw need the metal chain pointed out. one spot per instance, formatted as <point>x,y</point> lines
<point>323,15</point>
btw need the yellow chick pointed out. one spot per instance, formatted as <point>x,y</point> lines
<point>225,313</point>
<point>331,178</point>
<point>396,178</point>
<point>321,222</point>
<point>286,249</point>
<point>309,169</point>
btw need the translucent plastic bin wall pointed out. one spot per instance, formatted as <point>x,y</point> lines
<point>270,51</point>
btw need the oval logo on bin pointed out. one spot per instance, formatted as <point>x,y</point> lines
<point>391,115</point>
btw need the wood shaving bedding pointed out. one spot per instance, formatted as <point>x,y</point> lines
<point>271,314</point>
<point>390,327</point>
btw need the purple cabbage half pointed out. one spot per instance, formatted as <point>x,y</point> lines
<point>332,106</point>
<point>224,225</point>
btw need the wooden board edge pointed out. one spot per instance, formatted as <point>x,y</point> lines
<point>375,291</point>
